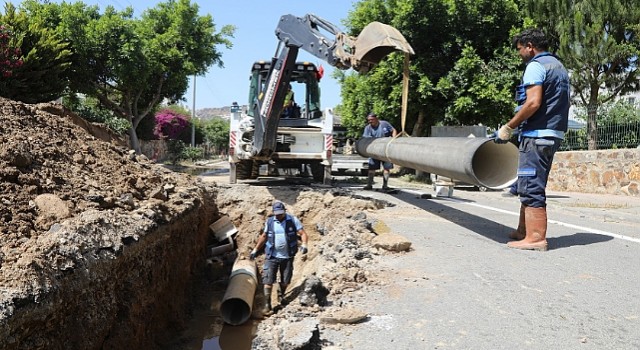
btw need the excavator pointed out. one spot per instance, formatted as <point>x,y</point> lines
<point>274,139</point>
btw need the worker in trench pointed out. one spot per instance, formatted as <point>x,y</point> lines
<point>280,239</point>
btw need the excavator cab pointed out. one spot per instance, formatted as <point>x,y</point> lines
<point>305,104</point>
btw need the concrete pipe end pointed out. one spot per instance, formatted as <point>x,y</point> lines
<point>496,165</point>
<point>235,311</point>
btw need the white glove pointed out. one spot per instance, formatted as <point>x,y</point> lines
<point>505,133</point>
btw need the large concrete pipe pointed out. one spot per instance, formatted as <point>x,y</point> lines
<point>477,161</point>
<point>238,299</point>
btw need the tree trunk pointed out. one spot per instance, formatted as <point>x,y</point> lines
<point>592,126</point>
<point>134,143</point>
<point>419,125</point>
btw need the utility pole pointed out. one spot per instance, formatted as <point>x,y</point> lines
<point>193,115</point>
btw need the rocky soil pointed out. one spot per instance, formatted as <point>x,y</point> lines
<point>345,242</point>
<point>56,168</point>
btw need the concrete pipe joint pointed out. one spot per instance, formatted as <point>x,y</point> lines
<point>238,298</point>
<point>477,161</point>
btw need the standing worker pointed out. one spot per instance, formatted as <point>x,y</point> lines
<point>280,234</point>
<point>542,116</point>
<point>378,128</point>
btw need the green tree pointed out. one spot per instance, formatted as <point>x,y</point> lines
<point>216,133</point>
<point>442,32</point>
<point>480,92</point>
<point>90,109</point>
<point>46,59</point>
<point>132,65</point>
<point>599,43</point>
<point>613,112</point>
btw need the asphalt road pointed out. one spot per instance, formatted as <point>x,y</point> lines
<point>461,288</point>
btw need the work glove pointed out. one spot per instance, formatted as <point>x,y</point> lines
<point>304,249</point>
<point>253,254</point>
<point>503,135</point>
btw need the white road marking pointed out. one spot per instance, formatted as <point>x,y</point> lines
<point>582,228</point>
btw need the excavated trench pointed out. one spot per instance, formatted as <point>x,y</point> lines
<point>161,288</point>
<point>102,249</point>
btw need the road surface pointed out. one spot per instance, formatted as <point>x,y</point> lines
<point>461,288</point>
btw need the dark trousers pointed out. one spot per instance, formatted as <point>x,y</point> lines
<point>534,165</point>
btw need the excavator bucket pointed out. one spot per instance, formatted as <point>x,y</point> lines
<point>375,42</point>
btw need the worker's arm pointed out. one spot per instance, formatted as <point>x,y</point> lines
<point>394,133</point>
<point>305,239</point>
<point>530,106</point>
<point>261,241</point>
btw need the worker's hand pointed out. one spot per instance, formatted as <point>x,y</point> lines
<point>253,254</point>
<point>304,249</point>
<point>503,135</point>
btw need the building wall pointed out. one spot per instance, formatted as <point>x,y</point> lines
<point>603,171</point>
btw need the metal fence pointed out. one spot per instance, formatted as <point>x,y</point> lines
<point>610,136</point>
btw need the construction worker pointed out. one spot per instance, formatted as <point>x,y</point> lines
<point>542,115</point>
<point>289,104</point>
<point>280,238</point>
<point>378,128</point>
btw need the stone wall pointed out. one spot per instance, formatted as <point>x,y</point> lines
<point>605,171</point>
<point>156,150</point>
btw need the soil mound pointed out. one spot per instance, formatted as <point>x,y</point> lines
<point>55,166</point>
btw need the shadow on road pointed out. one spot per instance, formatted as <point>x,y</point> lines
<point>482,226</point>
<point>576,239</point>
<point>491,229</point>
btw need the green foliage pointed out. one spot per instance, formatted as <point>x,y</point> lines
<point>192,153</point>
<point>441,32</point>
<point>132,64</point>
<point>216,133</point>
<point>46,59</point>
<point>599,42</point>
<point>175,151</point>
<point>619,111</point>
<point>91,110</point>
<point>480,92</point>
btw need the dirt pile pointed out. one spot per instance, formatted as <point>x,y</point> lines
<point>72,195</point>
<point>341,260</point>
<point>74,200</point>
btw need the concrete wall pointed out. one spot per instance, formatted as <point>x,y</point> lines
<point>605,171</point>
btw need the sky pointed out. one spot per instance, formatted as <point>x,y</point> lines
<point>254,39</point>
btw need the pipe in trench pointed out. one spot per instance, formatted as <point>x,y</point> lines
<point>238,298</point>
<point>477,161</point>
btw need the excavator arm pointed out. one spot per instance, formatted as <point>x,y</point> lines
<point>373,44</point>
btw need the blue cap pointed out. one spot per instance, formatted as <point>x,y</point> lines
<point>278,208</point>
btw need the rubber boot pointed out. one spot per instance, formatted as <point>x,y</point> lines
<point>370,180</point>
<point>536,230</point>
<point>521,231</point>
<point>267,301</point>
<point>385,180</point>
<point>281,290</point>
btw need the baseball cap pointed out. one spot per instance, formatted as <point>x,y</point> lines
<point>278,208</point>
